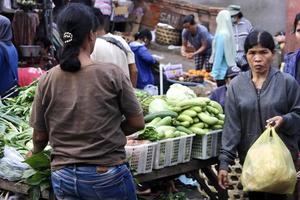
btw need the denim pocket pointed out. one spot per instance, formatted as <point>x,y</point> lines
<point>57,185</point>
<point>114,190</point>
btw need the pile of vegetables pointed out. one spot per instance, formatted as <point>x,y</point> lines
<point>16,132</point>
<point>180,114</point>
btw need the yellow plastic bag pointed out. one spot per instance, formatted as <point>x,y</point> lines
<point>269,166</point>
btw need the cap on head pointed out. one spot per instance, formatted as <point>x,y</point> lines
<point>232,72</point>
<point>234,9</point>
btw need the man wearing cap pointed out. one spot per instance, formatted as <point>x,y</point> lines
<point>241,28</point>
<point>219,94</point>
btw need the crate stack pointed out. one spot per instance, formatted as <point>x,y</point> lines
<point>235,190</point>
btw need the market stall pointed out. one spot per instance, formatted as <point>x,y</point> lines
<point>181,136</point>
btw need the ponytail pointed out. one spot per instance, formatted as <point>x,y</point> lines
<point>69,59</point>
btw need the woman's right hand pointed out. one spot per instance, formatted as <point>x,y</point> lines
<point>223,179</point>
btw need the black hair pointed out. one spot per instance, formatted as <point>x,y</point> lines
<point>145,33</point>
<point>297,19</point>
<point>189,19</point>
<point>99,18</point>
<point>86,2</point>
<point>74,24</point>
<point>279,33</point>
<point>256,37</point>
<point>240,15</point>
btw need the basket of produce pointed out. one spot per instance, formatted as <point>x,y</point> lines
<point>207,145</point>
<point>140,155</point>
<point>167,35</point>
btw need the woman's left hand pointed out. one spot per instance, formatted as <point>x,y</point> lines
<point>275,121</point>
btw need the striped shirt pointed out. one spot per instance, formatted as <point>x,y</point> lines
<point>241,31</point>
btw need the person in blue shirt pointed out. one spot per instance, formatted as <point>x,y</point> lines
<point>143,58</point>
<point>199,37</point>
<point>8,59</point>
<point>219,93</point>
<point>223,48</point>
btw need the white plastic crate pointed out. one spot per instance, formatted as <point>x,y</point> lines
<point>140,157</point>
<point>173,151</point>
<point>186,144</point>
<point>162,153</point>
<point>206,146</point>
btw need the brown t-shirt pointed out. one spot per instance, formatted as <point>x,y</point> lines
<point>82,113</point>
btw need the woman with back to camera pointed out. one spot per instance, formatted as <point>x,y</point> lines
<point>261,96</point>
<point>79,108</point>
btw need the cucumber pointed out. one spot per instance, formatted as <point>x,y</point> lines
<point>185,124</point>
<point>210,120</point>
<point>161,114</point>
<point>196,119</point>
<point>198,125</point>
<point>217,127</point>
<point>165,121</point>
<point>221,116</point>
<point>193,102</point>
<point>220,122</point>
<point>198,131</point>
<point>217,106</point>
<point>212,110</point>
<point>185,118</point>
<point>190,113</point>
<point>198,109</point>
<point>154,121</point>
<point>183,129</point>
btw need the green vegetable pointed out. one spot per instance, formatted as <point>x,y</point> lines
<point>198,109</point>
<point>161,114</point>
<point>165,121</point>
<point>212,110</point>
<point>198,125</point>
<point>208,119</point>
<point>221,116</point>
<point>183,129</point>
<point>185,124</point>
<point>190,113</point>
<point>192,102</point>
<point>185,118</point>
<point>154,121</point>
<point>217,127</point>
<point>196,120</point>
<point>149,133</point>
<point>220,122</point>
<point>216,105</point>
<point>197,130</point>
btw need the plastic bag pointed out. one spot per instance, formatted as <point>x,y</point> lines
<point>11,165</point>
<point>269,166</point>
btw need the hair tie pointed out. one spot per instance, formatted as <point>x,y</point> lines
<point>67,37</point>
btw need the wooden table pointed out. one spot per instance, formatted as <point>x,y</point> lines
<point>193,168</point>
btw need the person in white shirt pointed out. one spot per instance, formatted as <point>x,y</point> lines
<point>114,49</point>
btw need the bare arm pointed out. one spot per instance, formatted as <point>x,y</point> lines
<point>183,48</point>
<point>202,48</point>
<point>40,141</point>
<point>133,124</point>
<point>133,74</point>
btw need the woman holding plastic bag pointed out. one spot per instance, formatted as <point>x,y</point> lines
<point>259,97</point>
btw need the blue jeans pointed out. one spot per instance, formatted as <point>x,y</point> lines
<point>85,183</point>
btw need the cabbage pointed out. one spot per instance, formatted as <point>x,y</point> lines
<point>158,105</point>
<point>178,92</point>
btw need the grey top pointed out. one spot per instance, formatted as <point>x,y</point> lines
<point>195,40</point>
<point>279,96</point>
<point>241,31</point>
